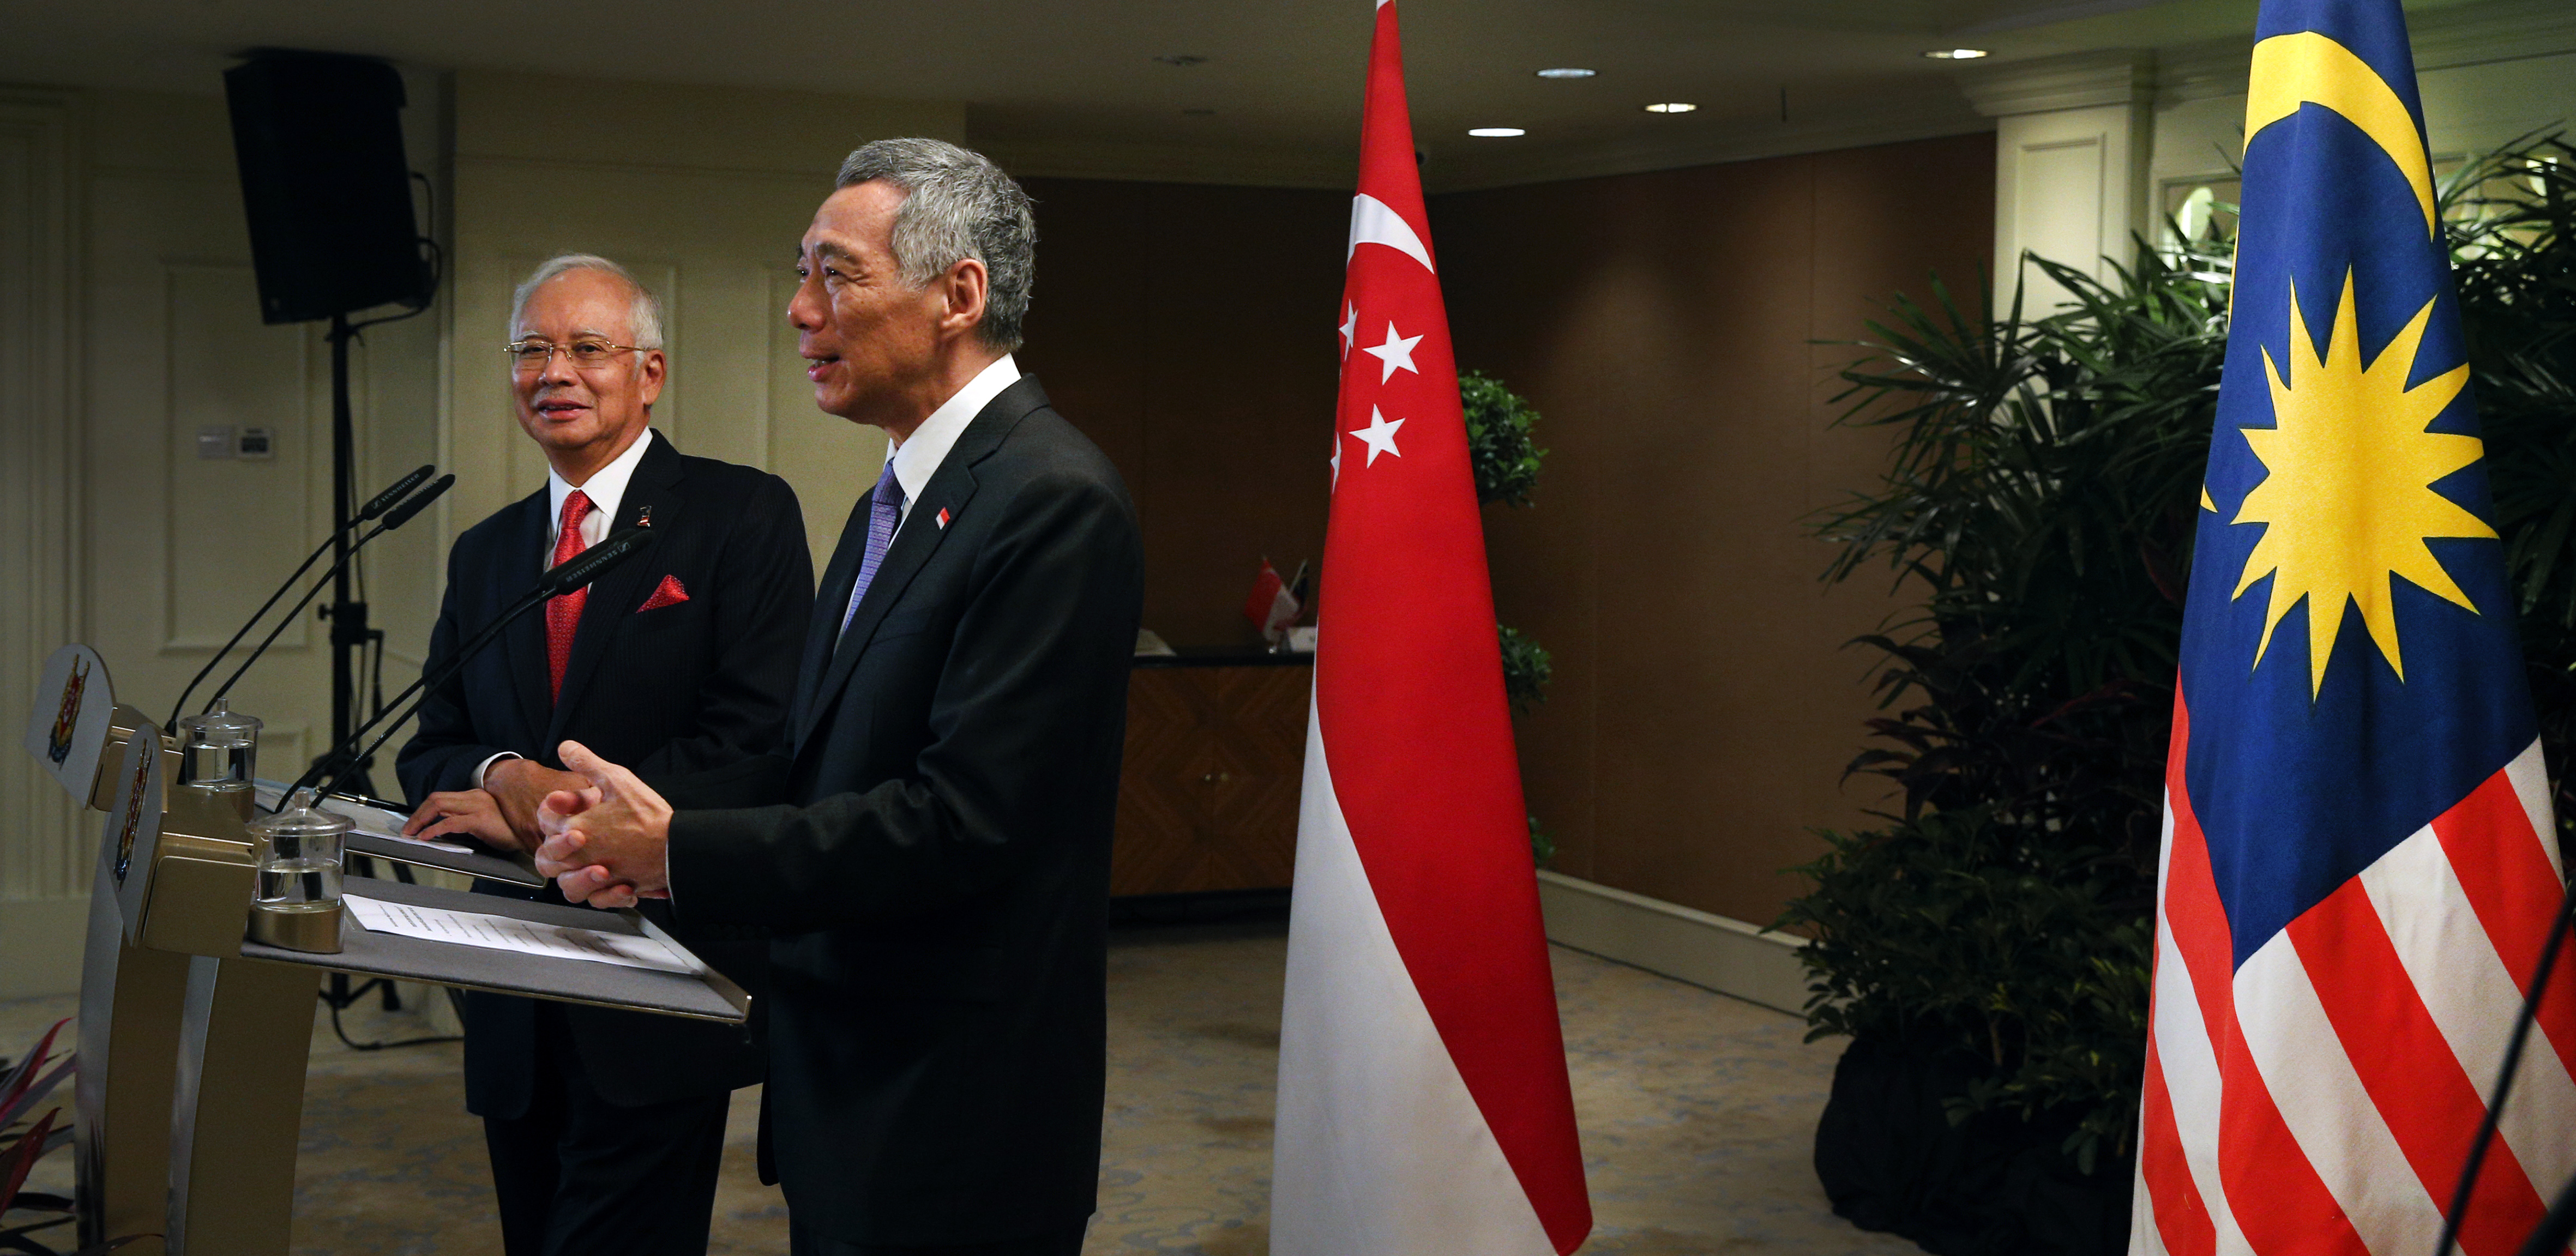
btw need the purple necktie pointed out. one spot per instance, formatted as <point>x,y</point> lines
<point>885,507</point>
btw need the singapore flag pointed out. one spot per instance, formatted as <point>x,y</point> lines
<point>1423,1102</point>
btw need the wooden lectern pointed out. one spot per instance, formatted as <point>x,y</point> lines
<point>193,1041</point>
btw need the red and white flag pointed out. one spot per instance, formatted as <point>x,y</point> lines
<point>1423,1101</point>
<point>1274,603</point>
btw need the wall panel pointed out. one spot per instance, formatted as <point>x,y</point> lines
<point>1188,329</point>
<point>1664,325</point>
<point>41,848</point>
<point>705,201</point>
<point>228,373</point>
<point>141,328</point>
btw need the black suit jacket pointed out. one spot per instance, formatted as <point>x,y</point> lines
<point>669,692</point>
<point>942,864</point>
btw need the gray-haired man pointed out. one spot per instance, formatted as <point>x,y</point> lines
<point>605,1127</point>
<point>937,874</point>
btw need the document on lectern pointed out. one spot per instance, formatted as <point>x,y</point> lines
<point>501,933</point>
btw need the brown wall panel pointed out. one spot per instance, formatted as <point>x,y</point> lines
<point>1662,323</point>
<point>1086,320</point>
<point>1189,329</point>
<point>1704,702</point>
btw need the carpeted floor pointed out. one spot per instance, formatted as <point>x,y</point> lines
<point>1697,1113</point>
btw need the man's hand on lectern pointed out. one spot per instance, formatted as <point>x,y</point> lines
<point>463,813</point>
<point>605,845</point>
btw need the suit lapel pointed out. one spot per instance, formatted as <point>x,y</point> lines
<point>615,596</point>
<point>919,537</point>
<point>913,545</point>
<point>525,639</point>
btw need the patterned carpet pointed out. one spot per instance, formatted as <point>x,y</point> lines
<point>1697,1112</point>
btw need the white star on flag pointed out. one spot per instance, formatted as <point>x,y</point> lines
<point>1350,328</point>
<point>1379,434</point>
<point>1396,353</point>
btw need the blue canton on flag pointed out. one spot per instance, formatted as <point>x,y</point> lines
<point>2359,868</point>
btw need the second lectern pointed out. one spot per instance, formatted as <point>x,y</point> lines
<point>212,918</point>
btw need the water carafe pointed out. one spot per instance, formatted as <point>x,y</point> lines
<point>218,756</point>
<point>296,902</point>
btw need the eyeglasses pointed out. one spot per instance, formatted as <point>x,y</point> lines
<point>532,355</point>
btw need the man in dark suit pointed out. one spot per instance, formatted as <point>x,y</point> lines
<point>937,875</point>
<point>605,1127</point>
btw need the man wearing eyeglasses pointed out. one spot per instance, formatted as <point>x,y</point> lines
<point>605,1127</point>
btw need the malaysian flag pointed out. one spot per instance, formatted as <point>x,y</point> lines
<point>2359,862</point>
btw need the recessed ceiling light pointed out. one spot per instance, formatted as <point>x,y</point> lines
<point>1671,106</point>
<point>1955,54</point>
<point>1496,132</point>
<point>1566,72</point>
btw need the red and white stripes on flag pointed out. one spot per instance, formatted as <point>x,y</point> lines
<point>2321,1097</point>
<point>1424,1108</point>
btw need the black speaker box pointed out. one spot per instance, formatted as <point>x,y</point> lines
<point>328,193</point>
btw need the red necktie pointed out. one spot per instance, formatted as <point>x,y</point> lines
<point>563,614</point>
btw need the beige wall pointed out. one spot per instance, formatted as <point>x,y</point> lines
<point>159,554</point>
<point>1665,326</point>
<point>704,193</point>
<point>40,594</point>
<point>2468,109</point>
<point>118,535</point>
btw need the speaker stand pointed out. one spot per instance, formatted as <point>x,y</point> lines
<point>350,634</point>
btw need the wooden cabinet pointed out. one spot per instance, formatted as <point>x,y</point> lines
<point>1215,756</point>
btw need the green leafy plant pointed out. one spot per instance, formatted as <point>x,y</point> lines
<point>1506,464</point>
<point>2038,506</point>
<point>1498,439</point>
<point>2039,501</point>
<point>1527,667</point>
<point>2513,235</point>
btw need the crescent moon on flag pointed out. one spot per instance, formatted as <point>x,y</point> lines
<point>1373,223</point>
<point>2309,68</point>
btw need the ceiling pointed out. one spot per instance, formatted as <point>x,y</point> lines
<point>1274,93</point>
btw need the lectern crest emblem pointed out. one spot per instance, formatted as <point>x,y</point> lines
<point>58,746</point>
<point>133,815</point>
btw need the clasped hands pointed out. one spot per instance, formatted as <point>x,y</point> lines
<point>601,833</point>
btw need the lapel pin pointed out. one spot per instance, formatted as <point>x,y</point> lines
<point>943,518</point>
<point>644,515</point>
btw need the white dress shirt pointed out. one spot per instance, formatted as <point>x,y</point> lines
<point>918,457</point>
<point>606,489</point>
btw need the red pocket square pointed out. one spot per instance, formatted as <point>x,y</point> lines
<point>669,593</point>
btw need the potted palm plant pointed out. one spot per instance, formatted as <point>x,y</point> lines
<point>1986,945</point>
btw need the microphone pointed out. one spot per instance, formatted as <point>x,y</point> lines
<point>394,518</point>
<point>590,564</point>
<point>572,573</point>
<point>375,506</point>
<point>400,515</point>
<point>394,492</point>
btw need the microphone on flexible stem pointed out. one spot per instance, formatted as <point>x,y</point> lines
<point>375,506</point>
<point>394,518</point>
<point>573,573</point>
